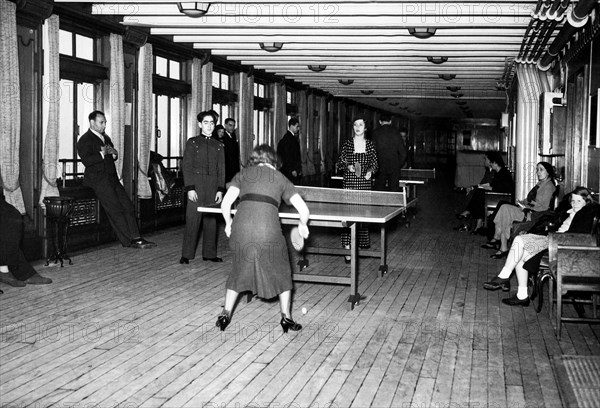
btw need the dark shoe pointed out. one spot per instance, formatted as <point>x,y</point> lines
<point>497,283</point>
<point>289,324</point>
<point>1,292</point>
<point>500,255</point>
<point>9,279</point>
<point>515,301</point>
<point>38,279</point>
<point>215,259</point>
<point>141,243</point>
<point>223,320</point>
<point>491,245</point>
<point>462,228</point>
<point>348,260</point>
<point>184,260</point>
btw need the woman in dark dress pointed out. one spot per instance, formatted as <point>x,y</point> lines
<point>261,261</point>
<point>358,161</point>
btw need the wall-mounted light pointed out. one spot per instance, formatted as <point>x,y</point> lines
<point>447,77</point>
<point>317,68</point>
<point>438,60</point>
<point>193,8</point>
<point>422,32</point>
<point>368,92</point>
<point>346,81</point>
<point>453,88</point>
<point>271,46</point>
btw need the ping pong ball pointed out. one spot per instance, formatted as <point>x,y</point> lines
<point>303,310</point>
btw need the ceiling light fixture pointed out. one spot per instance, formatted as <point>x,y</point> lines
<point>447,77</point>
<point>382,99</point>
<point>438,60</point>
<point>369,92</point>
<point>193,8</point>
<point>453,88</point>
<point>422,32</point>
<point>457,95</point>
<point>271,46</point>
<point>317,68</point>
<point>346,81</point>
<point>394,103</point>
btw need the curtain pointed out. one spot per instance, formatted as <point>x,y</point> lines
<point>10,114</point>
<point>321,145</point>
<point>280,112</point>
<point>52,95</point>
<point>302,101</point>
<point>531,86</point>
<point>117,98</point>
<point>206,88</point>
<point>195,101</point>
<point>145,126</point>
<point>245,91</point>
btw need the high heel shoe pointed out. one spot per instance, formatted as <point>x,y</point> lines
<point>223,320</point>
<point>289,324</point>
<point>184,260</point>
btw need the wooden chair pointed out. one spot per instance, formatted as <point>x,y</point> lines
<point>491,201</point>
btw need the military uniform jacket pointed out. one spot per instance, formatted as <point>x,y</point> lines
<point>204,168</point>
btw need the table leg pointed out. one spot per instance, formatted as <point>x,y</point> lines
<point>383,268</point>
<point>354,297</point>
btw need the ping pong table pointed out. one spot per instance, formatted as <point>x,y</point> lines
<point>340,208</point>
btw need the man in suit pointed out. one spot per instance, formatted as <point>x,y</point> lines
<point>232,150</point>
<point>98,155</point>
<point>15,270</point>
<point>288,150</point>
<point>391,153</point>
<point>203,169</point>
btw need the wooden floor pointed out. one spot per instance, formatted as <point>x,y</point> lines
<point>133,328</point>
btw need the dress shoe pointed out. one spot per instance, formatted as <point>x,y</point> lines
<point>289,324</point>
<point>38,279</point>
<point>462,228</point>
<point>500,255</point>
<point>491,245</point>
<point>480,231</point>
<point>223,320</point>
<point>141,243</point>
<point>348,260</point>
<point>215,259</point>
<point>515,301</point>
<point>497,283</point>
<point>184,260</point>
<point>9,279</point>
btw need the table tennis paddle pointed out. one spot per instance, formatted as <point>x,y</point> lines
<point>297,239</point>
<point>357,169</point>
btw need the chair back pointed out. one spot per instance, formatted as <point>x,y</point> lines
<point>554,200</point>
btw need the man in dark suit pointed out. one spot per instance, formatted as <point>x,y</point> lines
<point>203,169</point>
<point>98,155</point>
<point>391,154</point>
<point>232,150</point>
<point>288,150</point>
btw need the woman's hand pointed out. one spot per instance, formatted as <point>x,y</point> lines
<point>368,175</point>
<point>192,196</point>
<point>218,197</point>
<point>228,228</point>
<point>303,230</point>
<point>351,168</point>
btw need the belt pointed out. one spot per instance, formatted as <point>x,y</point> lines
<point>259,198</point>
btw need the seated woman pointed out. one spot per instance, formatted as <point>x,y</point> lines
<point>537,200</point>
<point>487,178</point>
<point>578,219</point>
<point>501,183</point>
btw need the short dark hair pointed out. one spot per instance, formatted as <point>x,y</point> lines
<point>263,154</point>
<point>214,114</point>
<point>359,117</point>
<point>583,192</point>
<point>293,121</point>
<point>385,117</point>
<point>204,114</point>
<point>219,127</point>
<point>95,114</point>
<point>229,120</point>
<point>495,157</point>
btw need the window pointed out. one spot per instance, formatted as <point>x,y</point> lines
<point>167,68</point>
<point>167,124</point>
<point>223,111</point>
<point>220,80</point>
<point>261,107</point>
<point>77,99</point>
<point>222,96</point>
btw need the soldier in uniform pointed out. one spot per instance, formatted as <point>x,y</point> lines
<point>204,179</point>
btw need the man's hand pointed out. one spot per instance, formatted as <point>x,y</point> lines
<point>218,197</point>
<point>294,173</point>
<point>113,151</point>
<point>192,196</point>
<point>368,175</point>
<point>104,150</point>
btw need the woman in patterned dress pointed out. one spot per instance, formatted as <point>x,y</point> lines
<point>261,262</point>
<point>358,161</point>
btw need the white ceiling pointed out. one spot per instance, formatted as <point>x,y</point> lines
<point>360,40</point>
